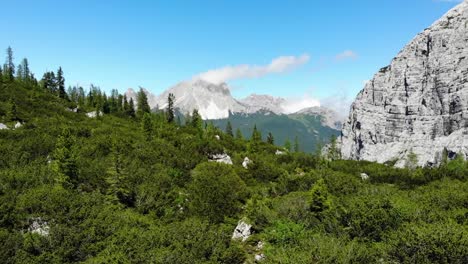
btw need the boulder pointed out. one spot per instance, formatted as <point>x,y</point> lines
<point>242,231</point>
<point>223,158</point>
<point>39,226</point>
<point>246,163</point>
<point>364,176</point>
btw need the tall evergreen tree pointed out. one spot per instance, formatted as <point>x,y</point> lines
<point>147,126</point>
<point>12,113</point>
<point>1,77</point>
<point>19,72</point>
<point>170,108</point>
<point>229,129</point>
<point>65,159</point>
<point>296,144</point>
<point>287,144</point>
<point>197,121</point>
<point>142,104</point>
<point>26,70</point>
<point>239,134</point>
<point>9,65</point>
<point>270,139</point>
<point>48,82</point>
<point>61,84</point>
<point>256,135</point>
<point>131,108</point>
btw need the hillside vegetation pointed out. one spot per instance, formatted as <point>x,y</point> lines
<point>130,186</point>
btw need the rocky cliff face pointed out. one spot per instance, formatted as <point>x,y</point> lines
<point>419,103</point>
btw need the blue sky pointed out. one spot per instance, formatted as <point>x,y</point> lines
<point>155,44</point>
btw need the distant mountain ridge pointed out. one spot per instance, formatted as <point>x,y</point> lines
<point>214,101</point>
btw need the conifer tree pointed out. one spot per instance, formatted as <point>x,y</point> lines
<point>147,126</point>
<point>170,108</point>
<point>287,144</point>
<point>296,144</point>
<point>26,70</point>
<point>9,65</point>
<point>229,129</point>
<point>142,104</point>
<point>131,108</point>
<point>65,160</point>
<point>19,72</point>
<point>239,134</point>
<point>197,121</point>
<point>117,189</point>
<point>256,135</point>
<point>60,81</point>
<point>270,139</point>
<point>12,113</point>
<point>1,77</point>
<point>320,198</point>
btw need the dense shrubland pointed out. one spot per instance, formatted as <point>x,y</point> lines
<point>130,186</point>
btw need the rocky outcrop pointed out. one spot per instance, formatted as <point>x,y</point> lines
<point>222,158</point>
<point>419,103</point>
<point>246,163</point>
<point>242,231</point>
<point>39,226</point>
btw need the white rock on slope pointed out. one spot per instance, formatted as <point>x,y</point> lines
<point>222,158</point>
<point>419,102</point>
<point>242,231</point>
<point>246,163</point>
<point>3,126</point>
<point>39,226</point>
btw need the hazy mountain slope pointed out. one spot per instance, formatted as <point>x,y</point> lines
<point>308,128</point>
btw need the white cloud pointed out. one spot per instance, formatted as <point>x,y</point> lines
<point>293,104</point>
<point>347,54</point>
<point>449,1</point>
<point>246,71</point>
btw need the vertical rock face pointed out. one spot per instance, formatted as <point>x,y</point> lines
<point>419,103</point>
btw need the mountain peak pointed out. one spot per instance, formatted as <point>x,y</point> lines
<point>419,103</point>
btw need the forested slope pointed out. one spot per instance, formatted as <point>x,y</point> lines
<point>130,186</point>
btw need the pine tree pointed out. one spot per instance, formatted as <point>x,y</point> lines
<point>334,152</point>
<point>229,129</point>
<point>170,108</point>
<point>60,81</point>
<point>147,126</point>
<point>320,198</point>
<point>256,135</point>
<point>48,82</point>
<point>9,65</point>
<point>1,77</point>
<point>239,134</point>
<point>287,145</point>
<point>142,104</point>
<point>296,144</point>
<point>65,160</point>
<point>19,72</point>
<point>117,189</point>
<point>131,108</point>
<point>12,113</point>
<point>270,139</point>
<point>26,71</point>
<point>255,140</point>
<point>197,121</point>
